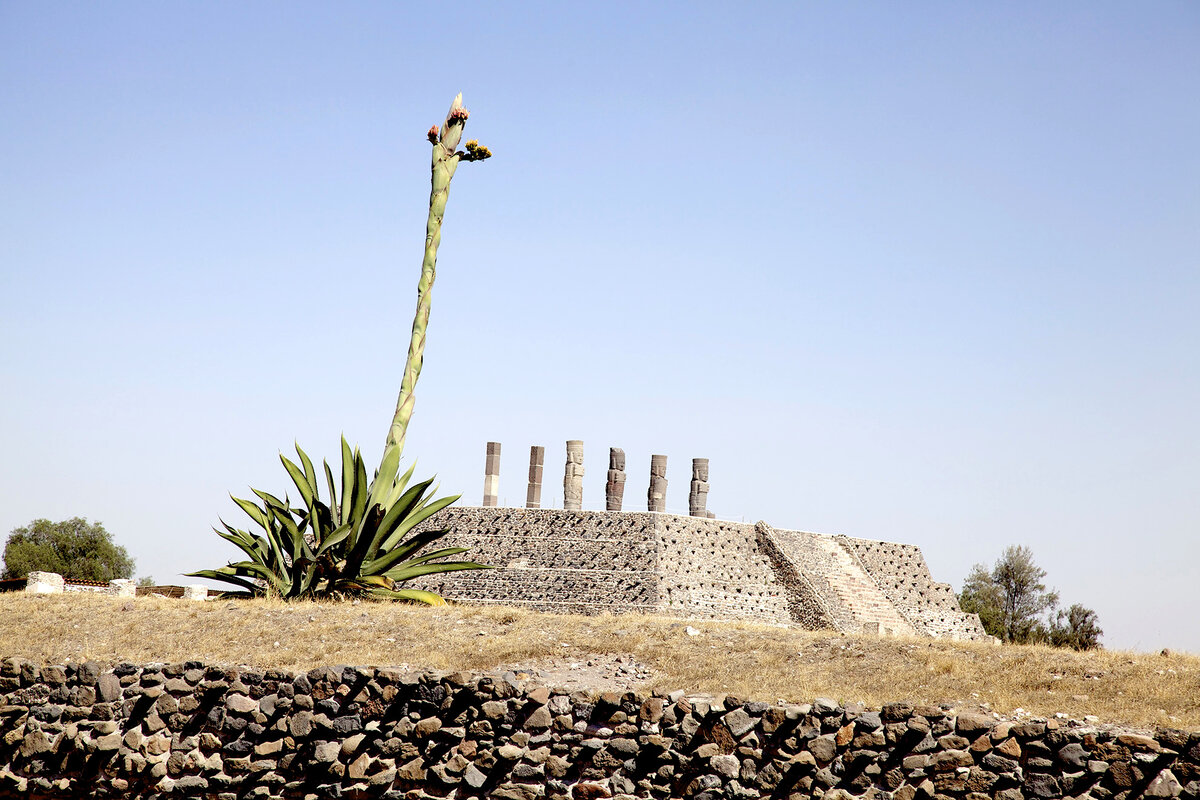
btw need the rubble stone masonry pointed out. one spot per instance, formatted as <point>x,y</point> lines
<point>196,730</point>
<point>689,566</point>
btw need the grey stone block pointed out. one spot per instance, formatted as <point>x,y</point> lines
<point>491,476</point>
<point>533,497</point>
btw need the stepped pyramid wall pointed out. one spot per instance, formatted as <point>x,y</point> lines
<point>592,562</point>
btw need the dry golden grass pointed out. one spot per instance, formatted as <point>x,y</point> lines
<point>748,660</point>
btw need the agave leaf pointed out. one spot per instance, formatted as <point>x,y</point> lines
<point>367,536</point>
<point>333,495</point>
<point>307,491</point>
<point>250,548</point>
<point>299,548</point>
<point>396,557</point>
<point>245,570</point>
<point>253,545</point>
<point>306,580</point>
<point>399,487</point>
<point>268,498</point>
<point>408,503</point>
<point>275,538</point>
<point>360,485</point>
<point>254,512</point>
<point>445,551</point>
<point>274,543</point>
<point>322,522</point>
<point>227,577</point>
<point>310,474</point>
<point>381,487</point>
<point>406,572</point>
<point>411,595</point>
<point>333,539</point>
<point>300,553</point>
<point>255,568</point>
<point>258,552</point>
<point>367,581</point>
<point>347,482</point>
<point>408,547</point>
<point>238,537</point>
<point>403,552</point>
<point>415,519</point>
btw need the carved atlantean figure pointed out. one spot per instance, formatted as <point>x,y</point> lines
<point>614,490</point>
<point>491,476</point>
<point>573,477</point>
<point>698,496</point>
<point>656,498</point>
<point>537,457</point>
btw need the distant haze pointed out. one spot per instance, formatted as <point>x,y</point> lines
<point>927,273</point>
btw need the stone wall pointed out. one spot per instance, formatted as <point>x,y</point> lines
<point>552,560</point>
<point>599,561</point>
<point>691,566</point>
<point>901,572</point>
<point>803,571</point>
<point>53,583</point>
<point>714,569</point>
<point>197,730</point>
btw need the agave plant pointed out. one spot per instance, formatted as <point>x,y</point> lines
<point>359,546</point>
<point>362,545</point>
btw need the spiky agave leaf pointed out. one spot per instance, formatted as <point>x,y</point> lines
<point>411,595</point>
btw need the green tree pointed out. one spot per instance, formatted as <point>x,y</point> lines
<point>980,595</point>
<point>1026,598</point>
<point>1012,598</point>
<point>1077,627</point>
<point>74,548</point>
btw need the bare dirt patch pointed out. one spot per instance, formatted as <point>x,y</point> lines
<point>610,652</point>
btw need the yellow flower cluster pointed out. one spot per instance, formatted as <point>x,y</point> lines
<point>477,151</point>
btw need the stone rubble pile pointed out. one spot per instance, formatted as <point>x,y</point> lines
<point>198,730</point>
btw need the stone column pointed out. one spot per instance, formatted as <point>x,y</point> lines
<point>491,476</point>
<point>698,496</point>
<point>656,498</point>
<point>537,458</point>
<point>614,490</point>
<point>573,477</point>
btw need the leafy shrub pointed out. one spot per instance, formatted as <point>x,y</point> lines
<point>74,548</point>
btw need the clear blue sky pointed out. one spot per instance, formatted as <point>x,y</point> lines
<point>927,273</point>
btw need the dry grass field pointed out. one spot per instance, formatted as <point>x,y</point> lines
<point>748,660</point>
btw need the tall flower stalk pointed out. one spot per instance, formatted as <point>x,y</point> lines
<point>446,158</point>
<point>366,539</point>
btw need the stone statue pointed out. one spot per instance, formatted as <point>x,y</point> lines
<point>656,498</point>
<point>573,477</point>
<point>614,490</point>
<point>698,496</point>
